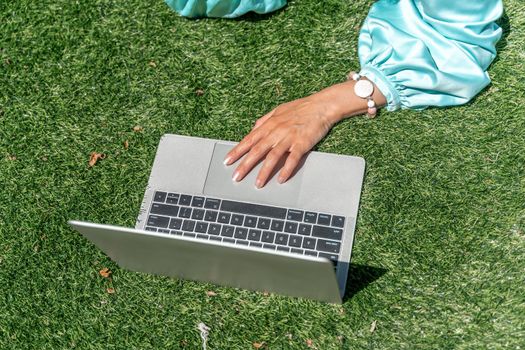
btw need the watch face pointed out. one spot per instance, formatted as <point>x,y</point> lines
<point>363,88</point>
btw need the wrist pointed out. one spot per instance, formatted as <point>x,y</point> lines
<point>342,102</point>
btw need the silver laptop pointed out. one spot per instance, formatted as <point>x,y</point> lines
<point>196,223</point>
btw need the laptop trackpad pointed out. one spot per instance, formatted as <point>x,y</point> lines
<point>219,182</point>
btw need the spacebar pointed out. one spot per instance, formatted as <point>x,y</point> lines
<point>253,209</point>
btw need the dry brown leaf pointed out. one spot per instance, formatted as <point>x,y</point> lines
<point>373,326</point>
<point>309,342</point>
<point>94,157</point>
<point>266,293</point>
<point>126,144</point>
<point>199,92</point>
<point>7,61</point>
<point>110,290</point>
<point>211,293</point>
<point>152,64</point>
<point>138,128</point>
<point>105,272</point>
<point>11,157</point>
<point>258,345</point>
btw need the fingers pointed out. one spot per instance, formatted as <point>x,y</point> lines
<point>242,147</point>
<point>292,161</point>
<point>271,161</point>
<point>256,153</point>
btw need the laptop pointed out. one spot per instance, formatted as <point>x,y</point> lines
<point>196,223</point>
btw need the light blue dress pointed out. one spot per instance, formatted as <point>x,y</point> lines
<point>419,53</point>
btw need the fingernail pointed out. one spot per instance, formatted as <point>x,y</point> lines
<point>227,160</point>
<point>258,183</point>
<point>236,176</point>
<point>280,179</point>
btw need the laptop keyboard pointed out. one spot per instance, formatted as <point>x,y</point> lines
<point>274,228</point>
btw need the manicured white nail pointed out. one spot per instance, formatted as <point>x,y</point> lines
<point>227,160</point>
<point>236,176</point>
<point>280,179</point>
<point>258,183</point>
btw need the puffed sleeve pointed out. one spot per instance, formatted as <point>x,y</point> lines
<point>422,53</point>
<point>223,8</point>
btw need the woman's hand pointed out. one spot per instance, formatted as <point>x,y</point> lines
<point>291,130</point>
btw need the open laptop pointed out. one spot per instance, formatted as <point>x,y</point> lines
<point>196,223</point>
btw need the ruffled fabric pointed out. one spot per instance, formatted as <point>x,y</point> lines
<point>424,53</point>
<point>223,8</point>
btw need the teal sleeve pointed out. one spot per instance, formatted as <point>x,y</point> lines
<point>424,53</point>
<point>223,8</point>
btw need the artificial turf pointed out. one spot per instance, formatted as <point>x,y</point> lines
<point>439,256</point>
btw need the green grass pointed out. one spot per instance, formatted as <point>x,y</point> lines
<point>439,257</point>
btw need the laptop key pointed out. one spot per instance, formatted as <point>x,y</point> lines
<point>264,223</point>
<point>172,198</point>
<point>164,209</point>
<point>305,229</point>
<point>338,221</point>
<point>250,221</point>
<point>268,236</point>
<point>163,230</point>
<point>309,243</point>
<point>269,246</point>
<point>327,232</point>
<point>185,199</point>
<point>254,235</point>
<point>188,225</point>
<point>160,196</point>
<point>324,219</point>
<point>214,229</point>
<point>211,215</point>
<point>237,220</point>
<point>201,236</point>
<point>189,234</point>
<point>295,215</point>
<point>228,240</point>
<point>241,232</point>
<point>277,225</point>
<point>212,203</point>
<point>215,238</point>
<point>240,241</point>
<point>197,202</point>
<point>281,239</point>
<point>227,231</point>
<point>201,227</point>
<point>175,223</point>
<point>310,253</point>
<point>255,244</point>
<point>152,229</point>
<point>158,221</point>
<point>310,217</point>
<point>290,227</point>
<point>283,249</point>
<point>198,214</point>
<point>185,212</point>
<point>332,257</point>
<point>253,209</point>
<point>297,251</point>
<point>295,241</point>
<point>224,218</point>
<point>328,246</point>
<point>178,233</point>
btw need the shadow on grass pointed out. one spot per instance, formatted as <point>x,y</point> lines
<point>359,277</point>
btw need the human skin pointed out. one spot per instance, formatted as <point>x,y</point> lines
<point>293,129</point>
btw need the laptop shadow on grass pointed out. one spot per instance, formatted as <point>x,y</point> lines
<point>360,277</point>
